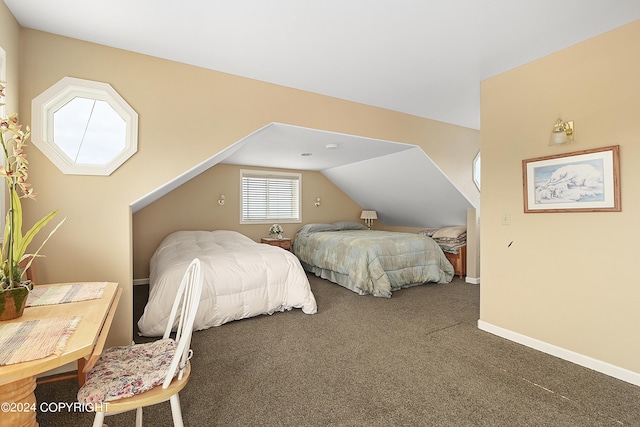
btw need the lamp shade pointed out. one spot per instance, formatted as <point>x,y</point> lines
<point>562,133</point>
<point>369,215</point>
<point>558,138</point>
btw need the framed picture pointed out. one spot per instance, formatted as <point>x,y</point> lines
<point>582,181</point>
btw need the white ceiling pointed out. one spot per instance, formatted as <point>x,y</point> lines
<point>370,171</point>
<point>293,147</point>
<point>405,188</point>
<point>397,180</point>
<point>422,57</point>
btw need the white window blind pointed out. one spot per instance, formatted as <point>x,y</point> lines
<point>270,197</point>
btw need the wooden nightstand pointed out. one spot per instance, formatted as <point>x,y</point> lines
<point>284,243</point>
<point>459,261</point>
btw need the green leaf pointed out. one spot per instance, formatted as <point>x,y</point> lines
<point>21,247</point>
<point>5,241</point>
<point>20,243</point>
<point>16,229</point>
<point>36,254</point>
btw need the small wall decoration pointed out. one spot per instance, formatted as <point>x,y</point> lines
<point>582,181</point>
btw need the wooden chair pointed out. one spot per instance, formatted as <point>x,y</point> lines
<point>163,366</point>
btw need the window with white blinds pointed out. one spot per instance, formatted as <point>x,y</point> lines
<point>270,197</point>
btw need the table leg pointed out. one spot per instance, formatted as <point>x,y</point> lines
<point>82,376</point>
<point>18,403</point>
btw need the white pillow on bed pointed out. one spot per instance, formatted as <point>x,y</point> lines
<point>350,225</point>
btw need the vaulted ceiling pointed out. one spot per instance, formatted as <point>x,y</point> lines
<point>425,58</point>
<point>354,164</point>
<point>422,57</point>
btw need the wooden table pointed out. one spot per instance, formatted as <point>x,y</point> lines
<point>18,381</point>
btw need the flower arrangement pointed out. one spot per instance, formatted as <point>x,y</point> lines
<point>14,170</point>
<point>276,229</point>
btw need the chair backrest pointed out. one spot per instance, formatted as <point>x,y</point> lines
<point>187,302</point>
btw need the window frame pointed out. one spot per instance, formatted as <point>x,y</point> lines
<point>476,170</point>
<point>45,105</point>
<point>253,173</point>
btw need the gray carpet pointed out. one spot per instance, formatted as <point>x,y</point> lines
<point>416,359</point>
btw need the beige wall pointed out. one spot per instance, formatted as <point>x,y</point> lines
<point>187,115</point>
<point>194,206</point>
<point>568,278</point>
<point>10,42</point>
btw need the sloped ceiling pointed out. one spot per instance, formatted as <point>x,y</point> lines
<point>427,199</point>
<point>284,146</point>
<point>424,58</point>
<point>370,171</point>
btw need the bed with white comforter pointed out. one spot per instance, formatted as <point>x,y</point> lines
<point>242,279</point>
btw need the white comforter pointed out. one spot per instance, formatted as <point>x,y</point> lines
<point>242,279</point>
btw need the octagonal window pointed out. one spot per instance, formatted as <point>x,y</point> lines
<point>84,127</point>
<point>476,170</point>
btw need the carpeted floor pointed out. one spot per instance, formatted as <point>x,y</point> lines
<point>416,359</point>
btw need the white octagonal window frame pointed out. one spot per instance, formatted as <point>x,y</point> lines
<point>476,170</point>
<point>61,94</point>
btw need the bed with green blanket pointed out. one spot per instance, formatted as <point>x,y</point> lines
<point>370,262</point>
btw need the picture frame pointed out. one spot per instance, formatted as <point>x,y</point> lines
<point>581,181</point>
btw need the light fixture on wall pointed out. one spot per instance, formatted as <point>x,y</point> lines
<point>562,133</point>
<point>317,203</point>
<point>221,200</point>
<point>368,217</point>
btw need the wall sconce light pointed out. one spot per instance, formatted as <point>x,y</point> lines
<point>221,200</point>
<point>562,133</point>
<point>368,217</point>
<point>317,203</point>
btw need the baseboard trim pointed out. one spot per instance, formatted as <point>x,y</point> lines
<point>571,356</point>
<point>137,282</point>
<point>473,280</point>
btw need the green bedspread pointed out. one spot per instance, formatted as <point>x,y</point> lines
<point>373,262</point>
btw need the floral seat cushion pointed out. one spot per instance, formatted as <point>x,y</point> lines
<point>128,370</point>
